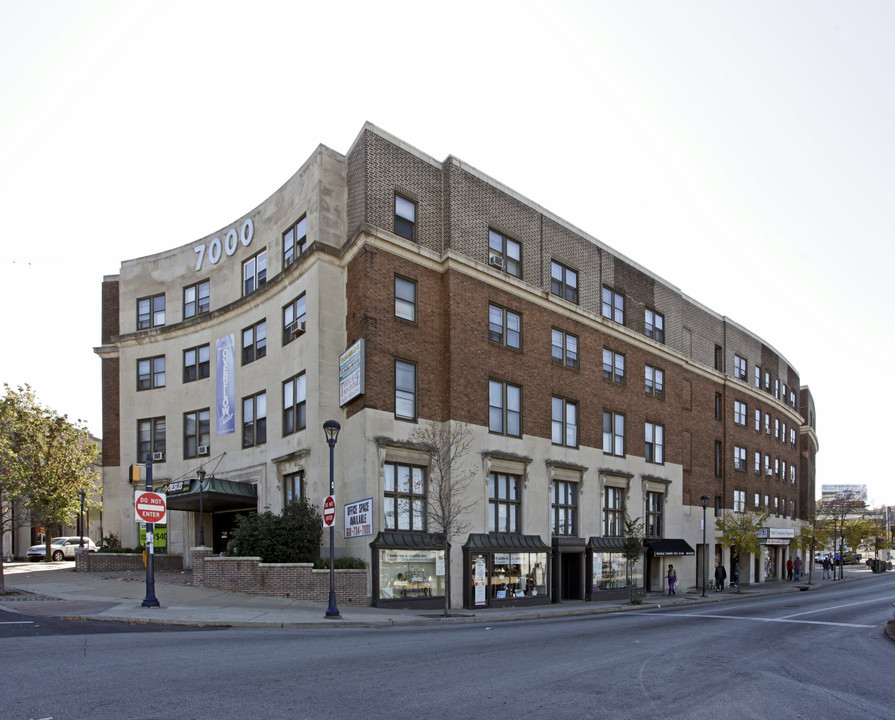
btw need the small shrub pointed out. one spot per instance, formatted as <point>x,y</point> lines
<point>110,541</point>
<point>343,563</point>
<point>294,536</point>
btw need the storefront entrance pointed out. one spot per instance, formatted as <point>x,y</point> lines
<point>504,569</point>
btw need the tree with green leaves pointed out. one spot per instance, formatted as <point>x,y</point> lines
<point>448,503</point>
<point>45,462</point>
<point>633,549</point>
<point>740,530</point>
<point>814,534</point>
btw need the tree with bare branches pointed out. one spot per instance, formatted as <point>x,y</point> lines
<point>448,503</point>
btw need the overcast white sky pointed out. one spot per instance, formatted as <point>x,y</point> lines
<point>742,151</point>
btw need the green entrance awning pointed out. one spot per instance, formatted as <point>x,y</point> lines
<point>218,495</point>
<point>606,544</point>
<point>506,542</point>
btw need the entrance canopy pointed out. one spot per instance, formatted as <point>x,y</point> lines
<point>506,542</point>
<point>218,495</point>
<point>666,547</point>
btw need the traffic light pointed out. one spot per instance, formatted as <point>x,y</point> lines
<point>134,474</point>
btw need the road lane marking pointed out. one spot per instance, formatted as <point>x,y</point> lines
<point>757,619</point>
<point>18,622</point>
<point>839,607</point>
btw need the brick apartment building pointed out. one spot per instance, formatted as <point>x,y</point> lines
<point>590,385</point>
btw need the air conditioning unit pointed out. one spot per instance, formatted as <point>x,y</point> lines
<point>496,261</point>
<point>203,449</point>
<point>297,328</point>
<point>768,472</point>
<point>157,456</point>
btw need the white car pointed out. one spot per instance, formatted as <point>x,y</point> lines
<point>61,548</point>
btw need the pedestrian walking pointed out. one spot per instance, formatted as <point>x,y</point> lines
<point>797,568</point>
<point>826,566</point>
<point>672,579</point>
<point>720,577</point>
<point>789,569</point>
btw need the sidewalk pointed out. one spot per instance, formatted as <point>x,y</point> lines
<point>55,589</point>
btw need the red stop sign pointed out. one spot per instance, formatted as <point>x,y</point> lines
<point>329,511</point>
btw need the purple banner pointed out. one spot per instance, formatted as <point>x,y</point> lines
<point>226,385</point>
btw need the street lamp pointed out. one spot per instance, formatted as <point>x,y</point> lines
<point>81,519</point>
<point>705,548</point>
<point>201,473</point>
<point>331,429</point>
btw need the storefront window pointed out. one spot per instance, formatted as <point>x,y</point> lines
<point>610,572</point>
<point>506,576</point>
<point>411,573</point>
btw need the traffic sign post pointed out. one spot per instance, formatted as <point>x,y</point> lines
<point>150,600</point>
<point>329,511</point>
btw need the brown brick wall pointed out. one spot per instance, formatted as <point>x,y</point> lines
<point>117,562</point>
<point>110,369</point>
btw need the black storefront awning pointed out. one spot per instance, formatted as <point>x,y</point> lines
<point>408,540</point>
<point>218,495</point>
<point>669,546</point>
<point>606,544</point>
<point>505,542</point>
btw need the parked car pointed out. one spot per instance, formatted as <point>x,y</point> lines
<point>61,548</point>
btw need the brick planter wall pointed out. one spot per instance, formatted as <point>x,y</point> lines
<point>111,562</point>
<point>293,580</point>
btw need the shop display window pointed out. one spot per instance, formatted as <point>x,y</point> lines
<point>411,573</point>
<point>510,576</point>
<point>610,572</point>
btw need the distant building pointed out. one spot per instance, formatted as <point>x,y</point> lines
<point>384,289</point>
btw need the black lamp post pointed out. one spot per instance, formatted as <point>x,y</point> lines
<point>81,520</point>
<point>331,428</point>
<point>201,473</point>
<point>705,548</point>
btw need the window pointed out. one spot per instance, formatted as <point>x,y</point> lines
<point>655,504</point>
<point>295,241</point>
<point>792,436</point>
<point>196,432</point>
<point>654,443</point>
<point>196,364</point>
<point>504,408</point>
<point>654,325</point>
<point>196,299</point>
<point>777,506</point>
<point>719,358</point>
<point>254,420</point>
<point>504,327</point>
<point>254,273</point>
<point>767,423</point>
<point>757,420</point>
<point>613,366</point>
<point>655,381</point>
<point>739,501</point>
<point>404,497</point>
<point>150,312</point>
<point>758,463</point>
<point>293,487</point>
<point>767,381</point>
<point>718,468</point>
<point>151,373</point>
<point>405,390</point>
<point>613,512</point>
<point>613,433</point>
<point>150,438</point>
<point>564,515</point>
<point>777,388</point>
<point>564,348</point>
<point>405,217</point>
<point>792,474</point>
<point>767,465</point>
<point>294,319</point>
<point>613,305</point>
<point>757,501</point>
<point>757,376</point>
<point>777,428</point>
<point>739,412</point>
<point>792,399</point>
<point>504,253</point>
<point>563,282</point>
<point>739,458</point>
<point>776,468</point>
<point>783,433</point>
<point>718,406</point>
<point>564,417</point>
<point>504,503</point>
<point>254,342</point>
<point>405,299</point>
<point>739,367</point>
<point>294,404</point>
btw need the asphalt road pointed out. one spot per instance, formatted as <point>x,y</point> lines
<point>818,654</point>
